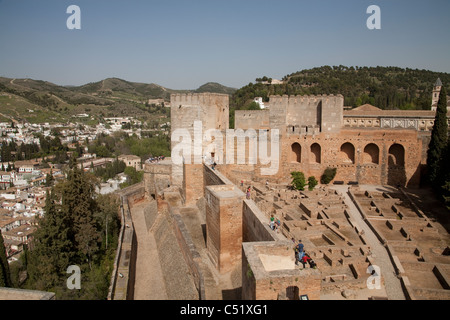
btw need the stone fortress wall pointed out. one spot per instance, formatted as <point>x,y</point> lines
<point>231,239</point>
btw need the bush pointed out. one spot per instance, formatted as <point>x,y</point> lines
<point>298,180</point>
<point>312,183</point>
<point>328,175</point>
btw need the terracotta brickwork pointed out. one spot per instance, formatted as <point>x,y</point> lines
<point>224,225</point>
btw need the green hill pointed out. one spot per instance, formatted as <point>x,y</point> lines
<point>383,87</point>
<point>215,88</point>
<point>41,101</point>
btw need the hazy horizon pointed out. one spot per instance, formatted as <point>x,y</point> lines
<point>182,45</point>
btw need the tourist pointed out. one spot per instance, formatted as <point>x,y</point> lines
<point>304,260</point>
<point>300,250</point>
<point>272,223</point>
<point>300,246</point>
<point>312,264</point>
<point>248,193</point>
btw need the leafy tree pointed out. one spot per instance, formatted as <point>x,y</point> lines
<point>79,228</point>
<point>79,205</point>
<point>133,176</point>
<point>5,276</point>
<point>444,176</point>
<point>49,179</point>
<point>52,247</point>
<point>328,175</point>
<point>438,140</point>
<point>312,183</point>
<point>298,180</point>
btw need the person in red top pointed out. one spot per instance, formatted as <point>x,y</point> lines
<point>304,260</point>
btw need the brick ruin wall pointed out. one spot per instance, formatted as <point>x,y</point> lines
<point>394,157</point>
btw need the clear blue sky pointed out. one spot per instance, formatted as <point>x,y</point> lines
<point>182,44</point>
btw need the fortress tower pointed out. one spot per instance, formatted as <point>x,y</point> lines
<point>436,91</point>
<point>186,110</point>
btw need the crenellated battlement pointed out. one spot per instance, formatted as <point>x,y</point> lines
<point>285,100</point>
<point>198,99</point>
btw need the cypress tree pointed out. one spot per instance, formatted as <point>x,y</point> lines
<point>79,205</point>
<point>52,252</point>
<point>444,175</point>
<point>438,140</point>
<point>5,276</point>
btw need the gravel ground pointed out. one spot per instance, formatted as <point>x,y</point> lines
<point>149,283</point>
<point>392,284</point>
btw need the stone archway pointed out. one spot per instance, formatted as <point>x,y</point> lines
<point>316,153</point>
<point>396,165</point>
<point>347,153</point>
<point>371,154</point>
<point>396,155</point>
<point>296,154</point>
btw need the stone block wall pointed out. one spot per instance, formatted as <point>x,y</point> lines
<point>251,119</point>
<point>269,273</point>
<point>193,183</point>
<point>224,225</point>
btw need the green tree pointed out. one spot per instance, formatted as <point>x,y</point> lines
<point>312,183</point>
<point>438,140</point>
<point>49,179</point>
<point>71,234</point>
<point>328,175</point>
<point>133,176</point>
<point>79,205</point>
<point>298,180</point>
<point>52,246</point>
<point>5,276</point>
<point>444,176</point>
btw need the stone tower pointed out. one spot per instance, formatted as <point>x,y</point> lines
<point>209,111</point>
<point>436,91</point>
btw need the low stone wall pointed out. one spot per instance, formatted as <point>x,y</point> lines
<point>178,275</point>
<point>214,177</point>
<point>21,294</point>
<point>150,214</point>
<point>123,275</point>
<point>255,224</point>
<point>190,253</point>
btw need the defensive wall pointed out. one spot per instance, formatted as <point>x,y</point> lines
<point>217,231</point>
<point>123,275</point>
<point>229,220</point>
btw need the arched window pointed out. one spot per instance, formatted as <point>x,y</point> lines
<point>316,153</point>
<point>397,155</point>
<point>296,153</point>
<point>348,153</point>
<point>371,154</point>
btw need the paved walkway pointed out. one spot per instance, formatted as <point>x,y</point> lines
<point>149,284</point>
<point>381,257</point>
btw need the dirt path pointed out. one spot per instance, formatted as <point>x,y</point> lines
<point>393,286</point>
<point>149,284</point>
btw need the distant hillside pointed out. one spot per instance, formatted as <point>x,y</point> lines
<point>40,101</point>
<point>383,87</point>
<point>215,88</point>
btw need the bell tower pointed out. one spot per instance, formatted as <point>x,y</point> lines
<point>436,91</point>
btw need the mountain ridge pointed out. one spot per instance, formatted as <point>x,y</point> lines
<point>27,99</point>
